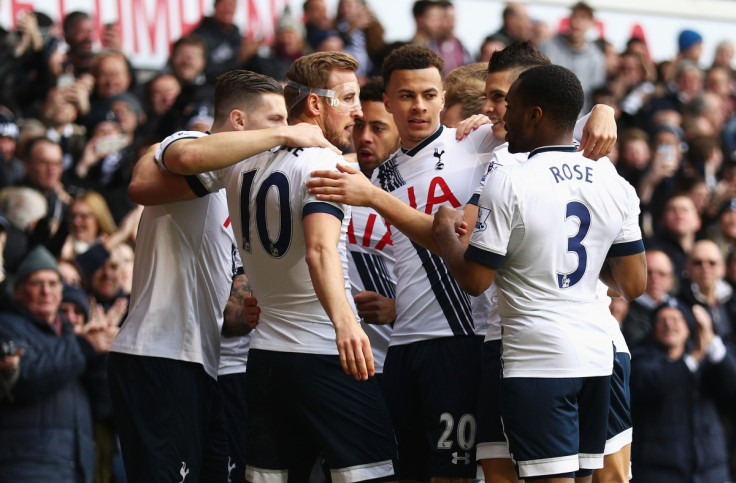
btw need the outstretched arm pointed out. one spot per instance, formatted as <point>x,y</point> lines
<point>223,149</point>
<point>322,236</point>
<point>351,187</point>
<point>151,186</point>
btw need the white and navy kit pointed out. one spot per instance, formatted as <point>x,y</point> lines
<point>439,171</point>
<point>298,396</point>
<point>547,225</point>
<point>167,351</point>
<point>371,263</point>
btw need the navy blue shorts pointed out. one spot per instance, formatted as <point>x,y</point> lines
<point>491,440</point>
<point>233,393</point>
<point>170,419</point>
<point>555,426</point>
<point>619,430</point>
<point>301,406</point>
<point>431,389</point>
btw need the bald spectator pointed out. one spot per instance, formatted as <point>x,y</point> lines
<point>637,324</point>
<point>706,270</point>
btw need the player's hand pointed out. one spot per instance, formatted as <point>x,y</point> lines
<point>374,308</point>
<point>470,124</point>
<point>304,135</point>
<point>252,311</point>
<point>599,133</point>
<point>447,218</point>
<point>348,186</point>
<point>354,347</point>
<point>703,335</point>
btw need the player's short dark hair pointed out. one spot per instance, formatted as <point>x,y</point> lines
<point>518,56</point>
<point>241,89</point>
<point>372,90</point>
<point>411,57</point>
<point>556,90</point>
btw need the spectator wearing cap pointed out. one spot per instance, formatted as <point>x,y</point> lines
<point>46,429</point>
<point>573,51</point>
<point>689,45</point>
<point>677,379</point>
<point>75,307</point>
<point>11,168</point>
<point>287,47</point>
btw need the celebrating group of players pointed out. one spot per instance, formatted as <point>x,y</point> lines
<point>473,256</point>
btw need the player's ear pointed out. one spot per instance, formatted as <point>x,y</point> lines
<point>312,106</point>
<point>535,114</point>
<point>386,103</point>
<point>238,120</point>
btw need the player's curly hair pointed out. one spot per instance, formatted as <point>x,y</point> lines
<point>241,89</point>
<point>518,55</point>
<point>372,90</point>
<point>411,57</point>
<point>556,90</point>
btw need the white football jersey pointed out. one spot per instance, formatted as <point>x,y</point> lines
<point>268,198</point>
<point>181,281</point>
<point>438,171</point>
<point>547,225</point>
<point>371,264</point>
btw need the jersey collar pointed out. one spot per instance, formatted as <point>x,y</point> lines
<point>544,149</point>
<point>428,140</point>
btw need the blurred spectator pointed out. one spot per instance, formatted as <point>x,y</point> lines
<point>328,41</point>
<point>112,74</point>
<point>101,279</point>
<point>102,159</point>
<point>464,93</point>
<point>541,32</point>
<point>288,46</point>
<point>24,207</point>
<point>187,62</point>
<point>427,19</point>
<point>678,226</point>
<point>634,155</point>
<point>226,50</point>
<point>704,115</point>
<point>363,35</point>
<point>59,115</point>
<point>573,51</point>
<point>160,94</point>
<point>316,21</point>
<point>637,324</point>
<point>79,35</point>
<point>74,307</point>
<point>723,56</point>
<point>11,168</point>
<point>447,45</point>
<point>632,85</point>
<point>490,44</point>
<point>70,273</point>
<point>659,182</point>
<point>46,430</point>
<point>689,46</point>
<point>90,222</point>
<point>516,24</point>
<point>677,378</point>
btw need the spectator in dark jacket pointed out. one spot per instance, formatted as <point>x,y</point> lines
<point>46,428</point>
<point>676,381</point>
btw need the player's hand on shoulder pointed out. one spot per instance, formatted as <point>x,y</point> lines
<point>470,124</point>
<point>599,133</point>
<point>346,185</point>
<point>305,135</point>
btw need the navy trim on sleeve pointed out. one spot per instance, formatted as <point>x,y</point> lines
<point>239,271</point>
<point>321,207</point>
<point>196,185</point>
<point>474,199</point>
<point>625,249</point>
<point>489,259</point>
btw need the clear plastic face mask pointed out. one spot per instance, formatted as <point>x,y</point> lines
<point>342,97</point>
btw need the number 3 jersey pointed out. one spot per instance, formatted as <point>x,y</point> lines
<point>267,198</point>
<point>548,225</point>
<point>438,171</point>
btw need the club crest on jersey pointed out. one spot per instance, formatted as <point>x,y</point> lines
<point>389,176</point>
<point>438,154</point>
<point>491,166</point>
<point>483,214</point>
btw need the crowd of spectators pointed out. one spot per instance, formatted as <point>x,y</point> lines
<point>75,116</point>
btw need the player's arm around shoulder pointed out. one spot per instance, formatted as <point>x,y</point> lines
<point>151,186</point>
<point>322,238</point>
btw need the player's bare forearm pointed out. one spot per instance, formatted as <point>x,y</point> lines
<point>241,311</point>
<point>627,275</point>
<point>151,186</point>
<point>599,132</point>
<point>322,236</point>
